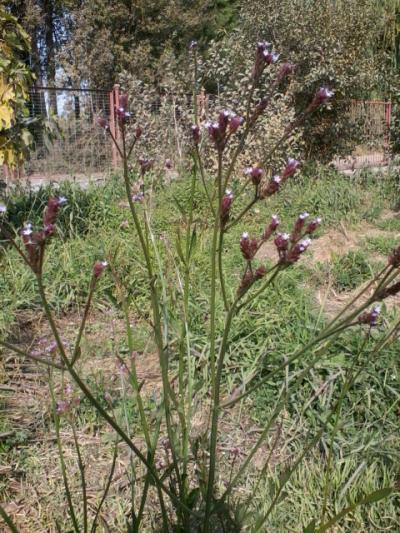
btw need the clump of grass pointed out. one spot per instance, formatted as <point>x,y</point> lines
<point>348,271</point>
<point>383,244</point>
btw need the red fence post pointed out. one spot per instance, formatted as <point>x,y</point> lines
<point>114,104</point>
<point>388,120</point>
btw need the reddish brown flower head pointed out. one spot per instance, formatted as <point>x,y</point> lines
<point>196,134</point>
<point>313,225</point>
<point>51,210</point>
<point>298,226</point>
<point>102,122</point>
<point>98,268</point>
<point>286,70</point>
<point>145,165</point>
<point>260,272</point>
<point>394,258</point>
<point>124,101</point>
<point>291,167</point>
<point>296,251</point>
<point>138,132</point>
<point>282,241</point>
<point>255,173</point>
<point>246,281</point>
<point>226,203</point>
<point>271,187</point>
<point>248,247</point>
<point>370,317</point>
<point>235,122</point>
<point>271,228</point>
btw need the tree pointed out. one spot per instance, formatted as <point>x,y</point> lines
<point>332,43</point>
<point>15,80</point>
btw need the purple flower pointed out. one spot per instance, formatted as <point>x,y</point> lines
<point>3,209</point>
<point>270,58</point>
<point>313,225</point>
<point>102,122</point>
<point>370,317</point>
<point>193,45</point>
<point>235,122</point>
<point>145,165</point>
<point>98,268</point>
<point>123,102</point>
<point>138,132</point>
<point>248,246</point>
<point>138,197</point>
<point>321,96</point>
<point>62,407</point>
<point>272,186</point>
<point>298,226</point>
<point>195,133</point>
<point>168,164</point>
<point>226,203</point>
<point>255,173</point>
<point>291,166</point>
<point>282,241</point>
<point>297,250</point>
<point>51,210</point>
<point>286,70</point>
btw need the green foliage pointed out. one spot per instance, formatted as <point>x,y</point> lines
<point>349,271</point>
<point>330,43</point>
<point>15,80</point>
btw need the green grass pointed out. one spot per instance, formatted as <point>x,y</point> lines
<point>383,244</point>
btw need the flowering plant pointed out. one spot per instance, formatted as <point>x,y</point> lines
<point>187,487</point>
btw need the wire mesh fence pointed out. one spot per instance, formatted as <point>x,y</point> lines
<point>374,116</point>
<point>80,149</point>
<point>77,145</point>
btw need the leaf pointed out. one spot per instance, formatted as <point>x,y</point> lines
<point>370,498</point>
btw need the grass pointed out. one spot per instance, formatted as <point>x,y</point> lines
<point>366,447</point>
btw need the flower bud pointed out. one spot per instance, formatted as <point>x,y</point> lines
<point>168,164</point>
<point>226,203</point>
<point>193,45</point>
<point>269,230</point>
<point>272,187</point>
<point>286,70</point>
<point>145,165</point>
<point>270,58</point>
<point>235,122</point>
<point>123,102</point>
<point>370,317</point>
<point>246,281</point>
<point>298,226</point>
<point>260,272</point>
<point>98,268</point>
<point>321,97</point>
<point>51,210</point>
<point>297,250</point>
<point>394,258</point>
<point>255,173</point>
<point>313,225</point>
<point>291,167</point>
<point>138,132</point>
<point>282,241</point>
<point>195,133</point>
<point>102,122</point>
<point>248,247</point>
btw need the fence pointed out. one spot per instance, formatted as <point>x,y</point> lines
<point>374,117</point>
<point>80,149</point>
<point>76,144</point>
